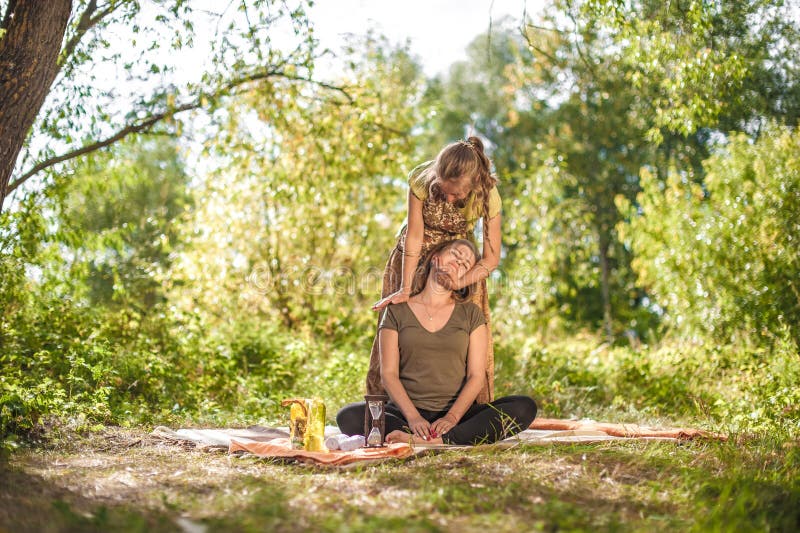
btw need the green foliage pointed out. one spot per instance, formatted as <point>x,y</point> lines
<point>601,90</point>
<point>705,64</point>
<point>720,258</point>
<point>88,109</point>
<point>729,388</point>
<point>458,103</point>
<point>119,219</point>
<point>309,194</point>
<point>575,147</point>
<point>149,284</point>
<point>84,331</point>
<point>132,297</point>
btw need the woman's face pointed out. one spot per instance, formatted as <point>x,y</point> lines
<point>455,191</point>
<point>453,263</point>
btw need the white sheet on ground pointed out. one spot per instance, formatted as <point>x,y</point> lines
<point>221,438</point>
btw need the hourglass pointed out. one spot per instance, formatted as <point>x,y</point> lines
<point>375,420</point>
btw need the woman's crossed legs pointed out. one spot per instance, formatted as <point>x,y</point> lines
<point>481,424</point>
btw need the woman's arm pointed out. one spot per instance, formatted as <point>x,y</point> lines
<point>415,229</point>
<point>491,255</point>
<point>390,376</point>
<point>476,377</point>
<point>413,242</point>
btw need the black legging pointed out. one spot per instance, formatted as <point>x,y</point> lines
<point>481,424</point>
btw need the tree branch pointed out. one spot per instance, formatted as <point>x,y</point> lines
<point>86,22</point>
<point>578,47</point>
<point>152,120</point>
<point>543,28</point>
<point>384,127</point>
<point>124,132</point>
<point>549,56</point>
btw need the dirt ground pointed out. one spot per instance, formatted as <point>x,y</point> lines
<point>128,480</point>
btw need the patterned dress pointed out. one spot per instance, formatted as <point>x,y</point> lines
<point>443,222</point>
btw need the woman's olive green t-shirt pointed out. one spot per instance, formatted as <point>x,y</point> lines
<point>433,365</point>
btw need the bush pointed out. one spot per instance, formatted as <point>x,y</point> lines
<point>729,388</point>
<point>721,258</point>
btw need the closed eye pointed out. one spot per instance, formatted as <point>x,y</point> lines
<point>462,262</point>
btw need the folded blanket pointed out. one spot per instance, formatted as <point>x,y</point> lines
<point>282,449</point>
<point>623,430</point>
<point>218,438</point>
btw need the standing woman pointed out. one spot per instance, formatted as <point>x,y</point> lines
<point>446,198</point>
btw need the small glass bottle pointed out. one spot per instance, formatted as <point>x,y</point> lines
<point>298,421</point>
<point>315,429</point>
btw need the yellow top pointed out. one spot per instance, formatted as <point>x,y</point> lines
<point>471,211</point>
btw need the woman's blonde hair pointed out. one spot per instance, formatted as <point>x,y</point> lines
<point>424,269</point>
<point>459,159</point>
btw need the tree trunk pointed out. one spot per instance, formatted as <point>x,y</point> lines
<point>605,281</point>
<point>29,49</point>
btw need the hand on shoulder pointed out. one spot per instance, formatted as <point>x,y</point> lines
<point>394,298</point>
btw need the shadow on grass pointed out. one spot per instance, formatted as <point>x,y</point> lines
<point>633,486</point>
<point>30,503</point>
<point>748,505</point>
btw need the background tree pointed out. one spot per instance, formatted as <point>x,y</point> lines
<point>620,87</point>
<point>299,218</point>
<point>725,66</point>
<point>119,221</point>
<point>85,326</point>
<point>294,225</point>
<point>600,143</point>
<point>460,103</point>
<point>564,144</point>
<point>720,257</point>
<point>30,42</point>
<point>60,95</point>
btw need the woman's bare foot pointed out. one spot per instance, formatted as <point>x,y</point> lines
<point>408,438</point>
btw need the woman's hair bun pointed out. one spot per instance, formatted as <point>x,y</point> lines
<point>476,142</point>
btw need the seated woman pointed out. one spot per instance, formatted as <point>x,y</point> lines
<point>433,363</point>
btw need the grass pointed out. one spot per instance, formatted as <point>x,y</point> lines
<point>122,480</point>
<point>119,479</point>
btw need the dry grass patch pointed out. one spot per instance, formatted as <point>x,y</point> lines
<point>130,480</point>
